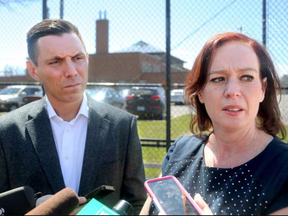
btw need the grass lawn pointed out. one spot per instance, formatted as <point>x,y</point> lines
<point>286,138</point>
<point>157,129</point>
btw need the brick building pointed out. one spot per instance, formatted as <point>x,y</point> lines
<point>140,63</point>
<point>12,79</point>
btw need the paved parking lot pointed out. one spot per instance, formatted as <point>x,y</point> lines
<point>177,110</point>
<point>284,108</point>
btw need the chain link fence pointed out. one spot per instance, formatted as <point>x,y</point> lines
<point>126,41</point>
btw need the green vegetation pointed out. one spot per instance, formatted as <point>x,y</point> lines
<point>157,129</point>
<point>152,172</point>
<point>286,138</point>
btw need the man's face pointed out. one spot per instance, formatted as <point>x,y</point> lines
<point>62,67</point>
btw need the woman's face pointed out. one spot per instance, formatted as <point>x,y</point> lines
<point>234,88</point>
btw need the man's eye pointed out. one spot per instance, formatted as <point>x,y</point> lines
<point>247,78</point>
<point>79,57</point>
<point>218,79</point>
<point>54,62</point>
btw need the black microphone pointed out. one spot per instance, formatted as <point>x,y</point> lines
<point>123,208</point>
<point>94,207</point>
<point>62,203</point>
<point>17,201</point>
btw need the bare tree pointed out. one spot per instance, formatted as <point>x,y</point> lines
<point>6,3</point>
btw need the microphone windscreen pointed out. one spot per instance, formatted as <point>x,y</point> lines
<point>123,208</point>
<point>17,201</point>
<point>62,203</point>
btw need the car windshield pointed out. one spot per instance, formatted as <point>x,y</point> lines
<point>143,91</point>
<point>9,91</point>
<point>97,94</point>
<point>93,92</point>
<point>124,92</point>
<point>177,93</point>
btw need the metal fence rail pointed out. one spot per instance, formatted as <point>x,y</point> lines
<point>148,43</point>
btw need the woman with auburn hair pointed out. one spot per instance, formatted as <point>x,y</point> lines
<point>234,163</point>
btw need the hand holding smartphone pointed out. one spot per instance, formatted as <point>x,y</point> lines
<point>100,192</point>
<point>170,197</point>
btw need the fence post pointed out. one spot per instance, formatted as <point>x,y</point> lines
<point>61,9</point>
<point>45,9</point>
<point>168,76</point>
<point>264,22</point>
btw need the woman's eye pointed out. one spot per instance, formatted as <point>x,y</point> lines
<point>218,79</point>
<point>247,78</point>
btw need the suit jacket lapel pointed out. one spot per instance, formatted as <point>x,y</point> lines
<point>40,131</point>
<point>97,132</point>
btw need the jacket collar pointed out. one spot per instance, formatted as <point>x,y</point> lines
<point>97,133</point>
<point>40,131</point>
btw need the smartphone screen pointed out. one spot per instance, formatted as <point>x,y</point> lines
<point>171,198</point>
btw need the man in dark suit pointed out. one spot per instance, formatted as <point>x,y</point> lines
<point>67,139</point>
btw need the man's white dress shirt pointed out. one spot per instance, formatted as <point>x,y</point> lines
<point>70,139</point>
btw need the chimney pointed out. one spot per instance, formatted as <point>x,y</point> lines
<point>102,27</point>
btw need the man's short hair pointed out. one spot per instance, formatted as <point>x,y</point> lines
<point>45,28</point>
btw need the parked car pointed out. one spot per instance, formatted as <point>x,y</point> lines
<point>107,95</point>
<point>31,98</point>
<point>177,96</point>
<point>124,92</point>
<point>14,96</point>
<point>147,102</point>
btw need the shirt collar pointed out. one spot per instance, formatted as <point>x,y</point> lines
<point>84,109</point>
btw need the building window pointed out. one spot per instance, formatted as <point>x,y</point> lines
<point>156,68</point>
<point>146,67</point>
